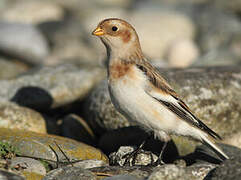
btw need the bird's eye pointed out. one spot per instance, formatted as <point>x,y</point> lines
<point>114,28</point>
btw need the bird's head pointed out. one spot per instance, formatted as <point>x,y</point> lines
<point>118,36</point>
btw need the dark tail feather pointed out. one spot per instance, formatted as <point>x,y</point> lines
<point>208,142</point>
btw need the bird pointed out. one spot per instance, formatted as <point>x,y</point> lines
<point>142,95</point>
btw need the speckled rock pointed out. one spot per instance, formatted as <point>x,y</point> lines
<point>136,171</point>
<point>122,177</point>
<point>9,69</point>
<point>38,145</point>
<point>8,175</point>
<point>50,87</point>
<point>13,116</point>
<point>70,173</point>
<point>167,171</point>
<point>230,169</point>
<point>90,163</point>
<point>170,172</point>
<point>234,139</point>
<point>100,112</point>
<point>212,94</point>
<point>142,158</point>
<point>17,40</point>
<point>28,164</point>
<point>200,170</point>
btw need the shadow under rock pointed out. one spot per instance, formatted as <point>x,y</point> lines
<point>134,136</point>
<point>33,97</point>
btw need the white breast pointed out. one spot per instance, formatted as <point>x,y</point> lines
<point>129,97</point>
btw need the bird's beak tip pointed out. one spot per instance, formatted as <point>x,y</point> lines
<point>98,32</point>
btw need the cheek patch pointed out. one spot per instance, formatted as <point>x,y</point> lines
<point>126,36</point>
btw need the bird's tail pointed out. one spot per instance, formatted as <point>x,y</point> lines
<point>211,144</point>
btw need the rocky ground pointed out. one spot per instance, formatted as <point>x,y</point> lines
<point>56,117</point>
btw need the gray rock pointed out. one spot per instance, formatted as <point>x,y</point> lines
<point>50,87</point>
<point>233,6</point>
<point>28,164</point>
<point>23,41</point>
<point>70,173</point>
<point>9,69</point>
<point>122,177</point>
<point>218,30</point>
<point>218,57</point>
<point>77,47</point>
<point>136,171</point>
<point>167,171</point>
<point>229,169</point>
<point>142,158</point>
<point>5,175</point>
<point>201,170</point>
<point>116,158</point>
<point>170,172</point>
<point>13,116</point>
<point>90,163</point>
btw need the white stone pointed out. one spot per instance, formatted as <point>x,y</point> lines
<point>182,53</point>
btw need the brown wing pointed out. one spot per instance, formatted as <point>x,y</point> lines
<point>155,78</point>
<point>178,106</point>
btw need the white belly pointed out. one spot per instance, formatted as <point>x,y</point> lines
<point>130,99</point>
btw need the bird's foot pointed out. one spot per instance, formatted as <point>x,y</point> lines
<point>130,158</point>
<point>157,163</point>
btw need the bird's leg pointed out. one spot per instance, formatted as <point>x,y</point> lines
<point>134,153</point>
<point>159,160</point>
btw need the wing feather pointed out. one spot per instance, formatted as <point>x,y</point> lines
<point>163,93</point>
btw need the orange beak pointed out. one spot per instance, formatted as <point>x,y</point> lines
<point>98,32</point>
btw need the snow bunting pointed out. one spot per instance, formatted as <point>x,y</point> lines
<point>141,94</point>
